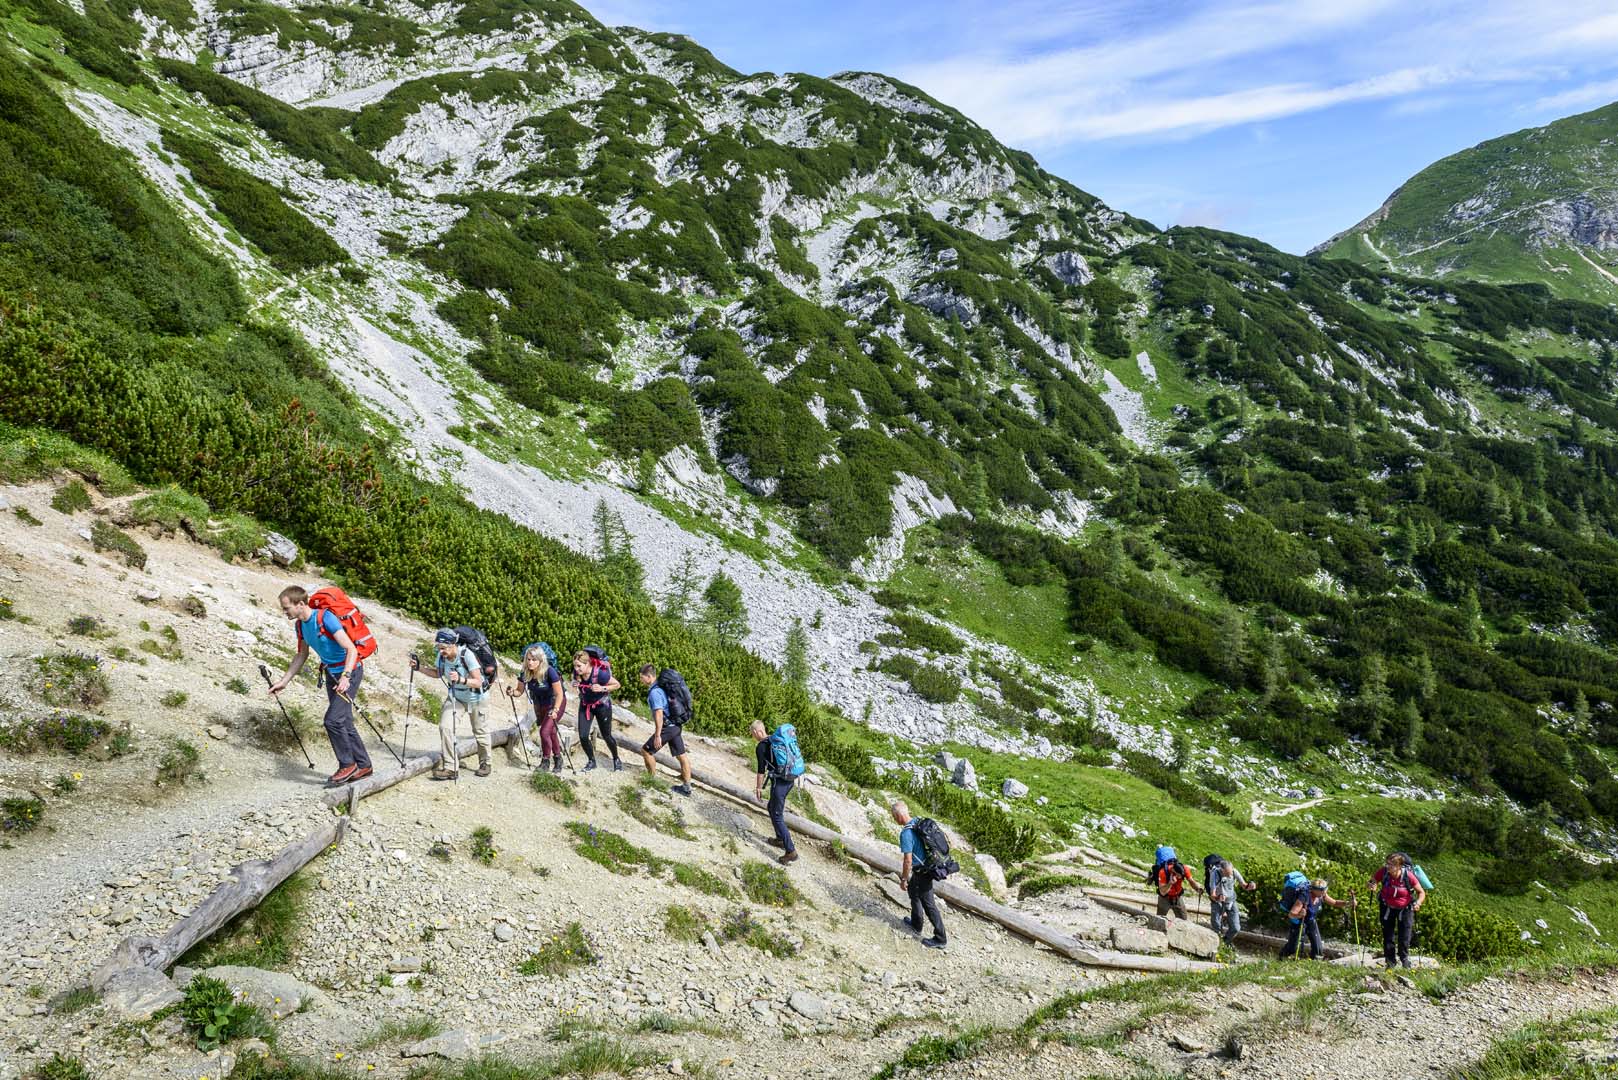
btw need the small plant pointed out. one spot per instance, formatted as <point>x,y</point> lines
<point>215,1015</point>
<point>632,801</point>
<point>105,536</point>
<point>682,923</point>
<point>73,1001</point>
<point>166,646</point>
<point>8,610</point>
<point>553,787</point>
<point>72,679</point>
<point>194,607</point>
<point>62,1068</point>
<point>122,743</point>
<point>739,925</point>
<point>611,850</point>
<point>428,934</point>
<point>174,699</point>
<point>237,685</point>
<point>260,937</point>
<point>407,1029</point>
<point>71,498</point>
<point>561,953</point>
<point>85,626</point>
<point>21,813</point>
<point>62,732</point>
<point>66,783</point>
<point>483,845</point>
<point>695,877</point>
<point>179,763</point>
<point>26,516</point>
<point>768,885</point>
<point>441,852</point>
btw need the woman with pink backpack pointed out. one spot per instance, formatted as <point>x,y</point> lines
<point>1402,895</point>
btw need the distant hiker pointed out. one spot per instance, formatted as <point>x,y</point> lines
<point>1401,895</point>
<point>543,683</point>
<point>1170,877</point>
<point>1303,902</point>
<point>916,875</point>
<point>592,672</point>
<point>322,621</point>
<point>778,760</point>
<point>458,666</point>
<point>670,705</point>
<point>1223,882</point>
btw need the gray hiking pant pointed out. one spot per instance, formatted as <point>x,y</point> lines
<point>346,744</point>
<point>1226,919</point>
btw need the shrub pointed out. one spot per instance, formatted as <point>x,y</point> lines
<point>214,1015</point>
<point>21,813</point>
<point>105,536</point>
<point>180,763</point>
<point>553,787</point>
<point>1044,883</point>
<point>683,923</point>
<point>85,626</point>
<point>921,634</point>
<point>67,733</point>
<point>71,498</point>
<point>66,783</point>
<point>174,699</point>
<point>62,1068</point>
<point>561,953</point>
<point>483,845</point>
<point>695,877</point>
<point>935,685</point>
<point>26,516</point>
<point>8,610</point>
<point>72,679</point>
<point>237,685</point>
<point>769,885</point>
<point>739,925</point>
<point>611,850</point>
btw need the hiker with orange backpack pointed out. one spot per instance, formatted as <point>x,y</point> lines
<point>328,622</point>
<point>1170,877</point>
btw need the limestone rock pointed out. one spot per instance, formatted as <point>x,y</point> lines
<point>808,1006</point>
<point>992,870</point>
<point>136,994</point>
<point>275,992</point>
<point>218,731</point>
<point>946,761</point>
<point>503,932</point>
<point>1135,939</point>
<point>965,776</point>
<point>1186,936</point>
<point>279,550</point>
<point>1013,789</point>
<point>457,1045</point>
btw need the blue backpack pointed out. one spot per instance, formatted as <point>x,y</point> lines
<point>1294,885</point>
<point>544,647</point>
<point>786,760</point>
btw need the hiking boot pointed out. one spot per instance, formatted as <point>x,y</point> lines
<point>776,841</point>
<point>341,776</point>
<point>789,858</point>
<point>617,766</point>
<point>484,769</point>
<point>443,774</point>
<point>556,764</point>
<point>914,927</point>
<point>682,789</point>
<point>935,943</point>
<point>588,765</point>
<point>359,774</point>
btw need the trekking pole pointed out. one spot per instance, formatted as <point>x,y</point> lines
<point>410,695</point>
<point>264,671</point>
<point>454,736</point>
<point>516,727</point>
<point>369,723</point>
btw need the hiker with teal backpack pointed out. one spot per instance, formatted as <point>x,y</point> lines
<point>669,701</point>
<point>923,862</point>
<point>1402,890</point>
<point>462,671</point>
<point>539,678</point>
<point>1301,901</point>
<point>778,759</point>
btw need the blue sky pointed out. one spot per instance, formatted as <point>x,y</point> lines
<point>1284,120</point>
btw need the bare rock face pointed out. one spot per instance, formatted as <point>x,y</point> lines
<point>1582,220</point>
<point>1070,267</point>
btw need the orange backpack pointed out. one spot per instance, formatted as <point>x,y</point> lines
<point>336,601</point>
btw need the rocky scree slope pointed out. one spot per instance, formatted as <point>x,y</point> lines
<point>1538,205</point>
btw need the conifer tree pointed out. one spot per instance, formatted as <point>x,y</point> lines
<point>681,592</point>
<point>1409,730</point>
<point>1472,616</point>
<point>724,614</point>
<point>795,663</point>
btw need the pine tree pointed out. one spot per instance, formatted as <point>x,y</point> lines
<point>1581,715</point>
<point>724,614</point>
<point>977,488</point>
<point>1272,670</point>
<point>1409,730</point>
<point>795,663</point>
<point>1472,616</point>
<point>1371,708</point>
<point>1233,648</point>
<point>646,474</point>
<point>602,522</point>
<point>681,592</point>
<point>1426,680</point>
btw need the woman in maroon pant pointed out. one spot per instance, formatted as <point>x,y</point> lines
<point>549,697</point>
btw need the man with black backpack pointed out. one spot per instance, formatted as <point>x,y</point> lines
<point>778,759</point>
<point>670,703</point>
<point>466,686</point>
<point>924,849</point>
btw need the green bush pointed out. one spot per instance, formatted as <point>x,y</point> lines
<point>181,763</point>
<point>935,684</point>
<point>105,536</point>
<point>72,679</point>
<point>683,923</point>
<point>695,877</point>
<point>21,813</point>
<point>769,885</point>
<point>67,733</point>
<point>214,1015</point>
<point>71,498</point>
<point>921,634</point>
<point>553,787</point>
<point>739,925</point>
<point>1044,883</point>
<point>561,953</point>
<point>60,1067</point>
<point>174,699</point>
<point>483,845</point>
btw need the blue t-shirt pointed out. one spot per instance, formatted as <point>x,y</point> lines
<point>466,663</point>
<point>331,654</point>
<point>910,844</point>
<point>656,700</point>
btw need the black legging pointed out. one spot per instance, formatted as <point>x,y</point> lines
<point>603,717</point>
<point>1398,925</point>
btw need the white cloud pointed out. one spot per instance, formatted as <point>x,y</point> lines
<point>1588,96</point>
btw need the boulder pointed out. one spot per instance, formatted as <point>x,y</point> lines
<point>1013,789</point>
<point>1186,936</point>
<point>279,549</point>
<point>457,1045</point>
<point>136,994</point>
<point>992,870</point>
<point>807,1005</point>
<point>965,776</point>
<point>1135,939</point>
<point>275,992</point>
<point>946,761</point>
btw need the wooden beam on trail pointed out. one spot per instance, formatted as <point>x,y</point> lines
<point>416,765</point>
<point>886,860</point>
<point>1246,937</point>
<point>249,883</point>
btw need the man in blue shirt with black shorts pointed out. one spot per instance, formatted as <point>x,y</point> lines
<point>665,730</point>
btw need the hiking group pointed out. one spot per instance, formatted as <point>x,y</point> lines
<point>326,622</point>
<point>1401,888</point>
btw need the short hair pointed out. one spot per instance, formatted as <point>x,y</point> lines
<point>758,726</point>
<point>648,669</point>
<point>1224,864</point>
<point>296,593</point>
<point>899,807</point>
